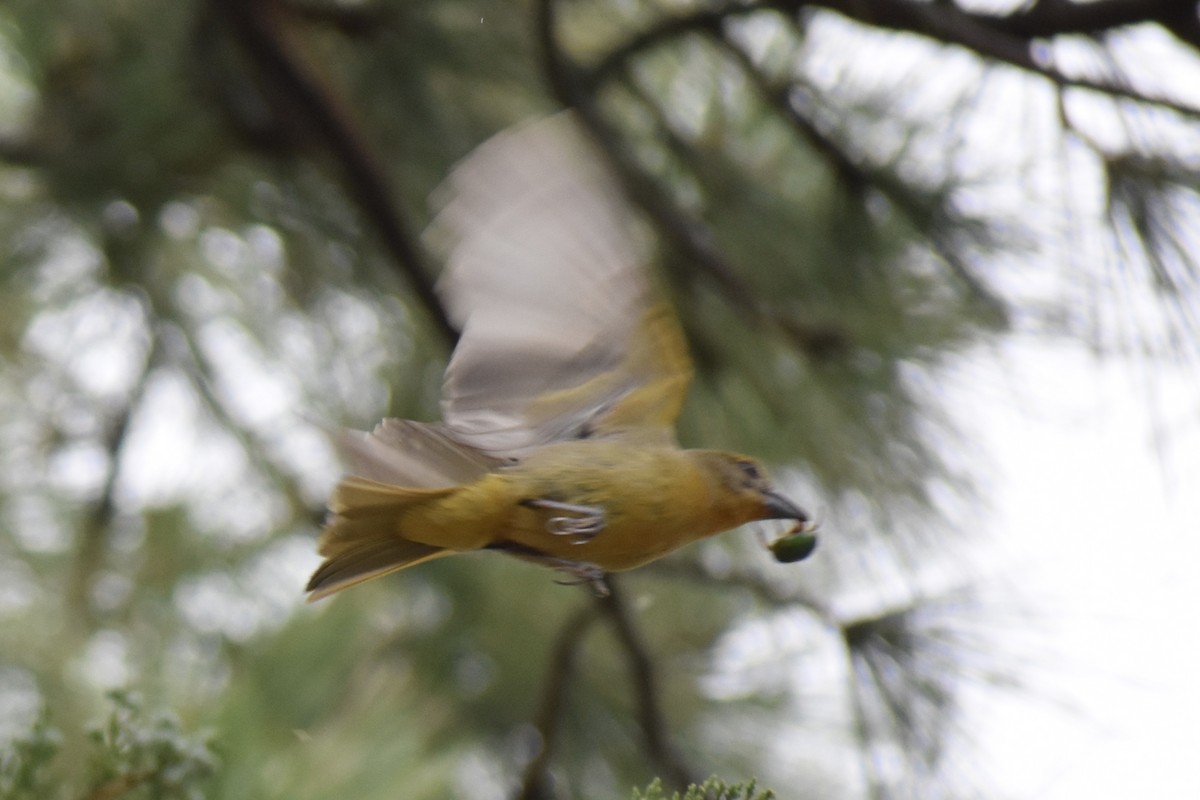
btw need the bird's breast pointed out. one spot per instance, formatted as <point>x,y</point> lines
<point>653,500</point>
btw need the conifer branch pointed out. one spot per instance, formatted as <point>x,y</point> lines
<point>256,27</point>
<point>1008,39</point>
<point>689,236</point>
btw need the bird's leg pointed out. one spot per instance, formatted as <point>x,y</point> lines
<point>581,572</point>
<point>583,524</point>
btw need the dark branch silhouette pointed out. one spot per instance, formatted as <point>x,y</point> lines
<point>648,696</point>
<point>1009,39</point>
<point>1057,17</point>
<point>690,237</point>
<point>558,678</point>
<point>856,177</point>
<point>255,26</point>
<point>96,529</point>
<point>980,33</point>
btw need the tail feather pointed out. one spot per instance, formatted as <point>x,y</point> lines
<point>357,497</point>
<point>363,540</point>
<point>366,560</point>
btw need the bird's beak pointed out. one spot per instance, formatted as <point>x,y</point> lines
<point>779,507</point>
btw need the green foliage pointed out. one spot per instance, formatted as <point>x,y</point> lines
<point>130,755</point>
<point>712,789</point>
<point>152,755</point>
<point>26,764</point>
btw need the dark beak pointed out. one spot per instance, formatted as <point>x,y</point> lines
<point>779,507</point>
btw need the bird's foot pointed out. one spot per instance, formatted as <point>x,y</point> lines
<point>580,522</point>
<point>582,572</point>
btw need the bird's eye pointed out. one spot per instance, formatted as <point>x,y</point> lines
<point>750,470</point>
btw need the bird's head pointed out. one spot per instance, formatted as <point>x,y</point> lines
<point>743,492</point>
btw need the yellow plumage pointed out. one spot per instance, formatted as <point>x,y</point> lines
<point>559,402</point>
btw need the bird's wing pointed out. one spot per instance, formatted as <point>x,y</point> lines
<point>415,454</point>
<point>547,273</point>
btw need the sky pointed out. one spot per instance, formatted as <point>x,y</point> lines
<point>1094,503</point>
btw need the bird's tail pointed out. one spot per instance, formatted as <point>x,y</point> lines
<point>362,538</point>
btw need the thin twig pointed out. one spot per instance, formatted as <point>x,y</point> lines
<point>694,239</point>
<point>198,369</point>
<point>691,238</point>
<point>855,176</point>
<point>95,533</point>
<point>651,718</point>
<point>558,678</point>
<point>664,30</point>
<point>862,730</point>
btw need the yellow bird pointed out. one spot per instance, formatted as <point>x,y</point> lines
<point>559,402</point>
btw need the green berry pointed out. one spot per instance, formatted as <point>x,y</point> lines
<point>794,547</point>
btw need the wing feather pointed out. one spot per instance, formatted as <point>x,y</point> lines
<point>547,273</point>
<point>415,454</point>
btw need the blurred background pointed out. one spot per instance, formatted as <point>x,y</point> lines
<point>937,263</point>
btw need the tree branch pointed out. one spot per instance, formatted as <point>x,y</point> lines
<point>95,533</point>
<point>853,175</point>
<point>985,35</point>
<point>198,369</point>
<point>659,746</point>
<point>1048,18</point>
<point>1007,39</point>
<point>559,675</point>
<point>665,30</point>
<point>690,237</point>
<point>254,26</point>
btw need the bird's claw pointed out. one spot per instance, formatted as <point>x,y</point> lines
<point>581,529</point>
<point>582,525</point>
<point>582,572</point>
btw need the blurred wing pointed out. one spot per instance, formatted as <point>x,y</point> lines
<point>547,274</point>
<point>413,454</point>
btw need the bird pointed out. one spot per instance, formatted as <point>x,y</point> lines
<point>559,402</point>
